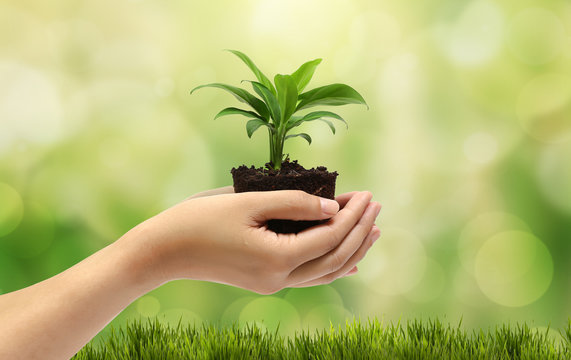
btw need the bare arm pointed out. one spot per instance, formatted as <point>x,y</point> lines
<point>55,318</point>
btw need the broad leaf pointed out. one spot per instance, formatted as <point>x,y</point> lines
<point>270,100</point>
<point>303,75</point>
<point>303,135</point>
<point>253,125</point>
<point>315,116</point>
<point>297,123</point>
<point>334,95</point>
<point>243,96</point>
<point>236,111</point>
<point>287,95</point>
<point>259,75</point>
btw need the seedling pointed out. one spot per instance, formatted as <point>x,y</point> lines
<point>279,103</point>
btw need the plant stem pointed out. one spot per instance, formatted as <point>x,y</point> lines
<point>277,138</point>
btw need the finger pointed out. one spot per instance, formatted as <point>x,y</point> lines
<point>217,191</point>
<point>343,199</point>
<point>292,205</point>
<point>350,267</point>
<point>353,271</point>
<point>338,257</point>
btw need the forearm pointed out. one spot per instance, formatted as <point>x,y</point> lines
<point>55,318</point>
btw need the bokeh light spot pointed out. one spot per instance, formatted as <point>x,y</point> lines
<point>536,36</point>
<point>11,210</point>
<point>178,315</point>
<point>544,107</point>
<point>513,268</point>
<point>42,122</point>
<point>148,306</point>
<point>304,299</point>
<point>476,36</point>
<point>231,314</point>
<point>395,264</point>
<point>431,284</point>
<point>480,229</point>
<point>271,312</point>
<point>480,148</point>
<point>467,291</point>
<point>322,316</point>
<point>555,175</point>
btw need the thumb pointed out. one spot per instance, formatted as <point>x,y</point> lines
<point>292,205</point>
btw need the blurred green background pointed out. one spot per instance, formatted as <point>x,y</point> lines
<point>467,144</point>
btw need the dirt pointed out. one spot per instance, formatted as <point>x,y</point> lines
<point>292,176</point>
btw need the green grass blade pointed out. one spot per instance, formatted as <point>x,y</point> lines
<point>287,95</point>
<point>236,111</point>
<point>417,339</point>
<point>259,74</point>
<point>303,75</point>
<point>333,95</point>
<point>242,95</point>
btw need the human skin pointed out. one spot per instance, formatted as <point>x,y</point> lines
<point>214,236</point>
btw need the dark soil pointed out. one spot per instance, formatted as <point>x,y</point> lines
<point>292,176</point>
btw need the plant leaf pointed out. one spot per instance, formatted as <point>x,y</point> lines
<point>303,75</point>
<point>253,125</point>
<point>316,115</point>
<point>270,100</point>
<point>236,111</point>
<point>297,123</point>
<point>334,95</point>
<point>287,95</point>
<point>259,74</point>
<point>243,96</point>
<point>303,135</point>
<point>329,123</point>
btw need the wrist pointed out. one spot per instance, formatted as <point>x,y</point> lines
<point>142,256</point>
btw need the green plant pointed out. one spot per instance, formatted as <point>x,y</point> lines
<point>415,339</point>
<point>280,101</point>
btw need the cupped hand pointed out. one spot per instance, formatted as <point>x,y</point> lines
<point>221,236</point>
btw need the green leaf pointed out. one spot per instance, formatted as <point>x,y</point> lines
<point>236,111</point>
<point>297,123</point>
<point>269,99</point>
<point>316,115</point>
<point>303,75</point>
<point>334,95</point>
<point>329,123</point>
<point>303,135</point>
<point>259,75</point>
<point>287,95</point>
<point>253,125</point>
<point>242,95</point>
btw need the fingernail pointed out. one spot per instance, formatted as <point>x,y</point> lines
<point>378,210</point>
<point>375,237</point>
<point>329,207</point>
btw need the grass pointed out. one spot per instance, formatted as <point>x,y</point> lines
<point>372,340</point>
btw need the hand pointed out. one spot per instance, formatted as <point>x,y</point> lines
<point>223,238</point>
